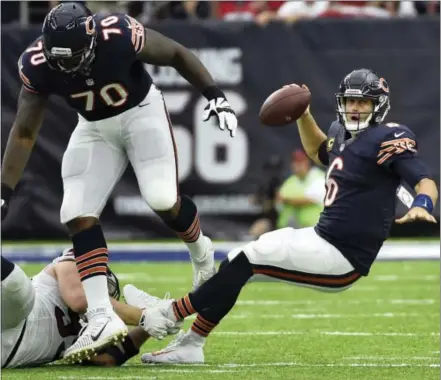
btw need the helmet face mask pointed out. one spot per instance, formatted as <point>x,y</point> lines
<point>69,38</point>
<point>360,86</point>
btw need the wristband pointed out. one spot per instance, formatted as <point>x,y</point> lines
<point>213,92</point>
<point>6,192</point>
<point>423,201</point>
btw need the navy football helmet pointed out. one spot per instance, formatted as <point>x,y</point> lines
<point>69,38</point>
<point>363,83</point>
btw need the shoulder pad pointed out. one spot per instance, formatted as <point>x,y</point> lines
<point>395,126</point>
<point>395,139</point>
<point>122,29</point>
<point>32,68</point>
<point>66,255</point>
<point>333,131</point>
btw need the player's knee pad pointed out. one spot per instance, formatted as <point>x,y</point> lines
<point>233,253</point>
<point>18,297</point>
<point>70,212</point>
<point>269,247</point>
<point>160,195</point>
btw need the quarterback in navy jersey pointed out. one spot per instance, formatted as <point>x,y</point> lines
<point>367,160</point>
<point>96,63</point>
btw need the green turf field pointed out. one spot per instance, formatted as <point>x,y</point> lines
<point>386,327</point>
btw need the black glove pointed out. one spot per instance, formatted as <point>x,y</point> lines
<point>6,196</point>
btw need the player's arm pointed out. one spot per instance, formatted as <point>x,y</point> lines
<point>398,153</point>
<point>162,51</point>
<point>129,314</point>
<point>70,286</point>
<point>312,137</point>
<point>24,131</point>
<point>422,206</point>
<point>427,186</point>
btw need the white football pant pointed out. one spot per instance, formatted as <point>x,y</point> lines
<point>98,153</point>
<point>298,257</point>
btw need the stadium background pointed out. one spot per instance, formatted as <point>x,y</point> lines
<point>248,61</point>
<point>250,57</point>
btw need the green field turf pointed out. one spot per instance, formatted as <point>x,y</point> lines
<point>386,327</point>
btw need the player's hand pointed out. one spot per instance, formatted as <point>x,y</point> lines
<point>226,117</point>
<point>155,323</point>
<point>307,112</point>
<point>416,213</point>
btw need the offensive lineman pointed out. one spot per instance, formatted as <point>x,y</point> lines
<point>95,63</point>
<point>367,161</point>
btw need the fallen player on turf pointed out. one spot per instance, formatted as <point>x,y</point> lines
<point>42,316</point>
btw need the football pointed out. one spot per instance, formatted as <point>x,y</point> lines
<point>285,105</point>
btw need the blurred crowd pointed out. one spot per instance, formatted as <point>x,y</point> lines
<point>261,12</point>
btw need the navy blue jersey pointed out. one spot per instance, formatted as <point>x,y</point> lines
<point>117,81</point>
<point>362,179</point>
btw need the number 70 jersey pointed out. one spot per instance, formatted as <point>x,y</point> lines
<point>117,80</point>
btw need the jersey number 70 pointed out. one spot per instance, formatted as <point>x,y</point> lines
<point>89,96</point>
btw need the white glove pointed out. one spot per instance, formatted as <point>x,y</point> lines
<point>155,323</point>
<point>225,114</point>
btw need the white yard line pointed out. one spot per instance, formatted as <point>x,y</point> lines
<point>201,368</point>
<point>326,316</point>
<point>386,358</point>
<point>294,364</point>
<point>336,301</point>
<point>374,315</point>
<point>328,333</point>
<point>394,277</point>
<point>107,377</point>
<point>396,287</point>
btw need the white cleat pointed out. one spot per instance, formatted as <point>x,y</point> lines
<point>184,349</point>
<point>103,329</point>
<point>142,300</point>
<point>205,269</point>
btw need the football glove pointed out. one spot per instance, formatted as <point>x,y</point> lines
<point>218,106</point>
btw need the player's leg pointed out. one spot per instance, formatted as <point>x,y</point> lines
<point>152,153</point>
<point>17,293</point>
<point>92,164</point>
<point>212,301</point>
<point>299,257</point>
